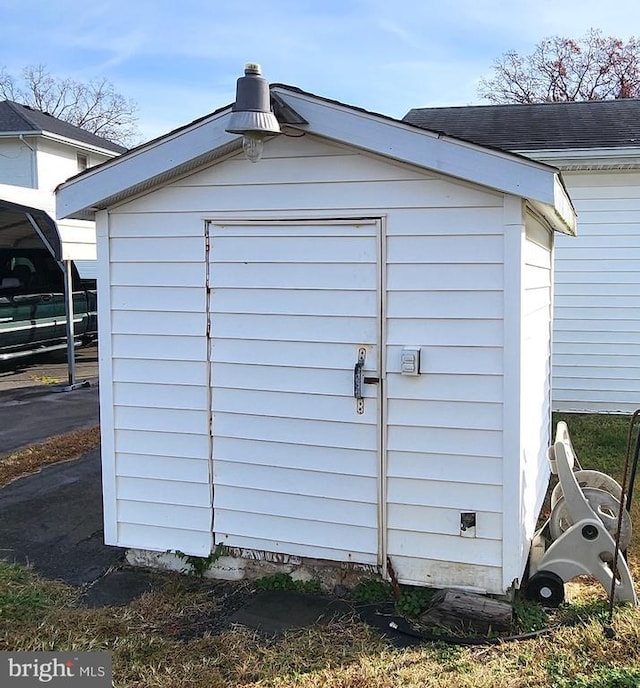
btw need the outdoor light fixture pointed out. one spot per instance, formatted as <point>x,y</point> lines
<point>251,114</point>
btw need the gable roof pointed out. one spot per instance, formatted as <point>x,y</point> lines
<point>543,126</point>
<point>16,119</point>
<point>205,140</point>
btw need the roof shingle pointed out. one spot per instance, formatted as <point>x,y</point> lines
<point>542,126</point>
<point>21,118</point>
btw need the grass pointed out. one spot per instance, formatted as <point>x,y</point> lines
<point>54,450</point>
<point>178,636</point>
<point>600,441</point>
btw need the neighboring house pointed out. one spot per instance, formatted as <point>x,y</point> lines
<point>596,145</point>
<point>340,353</point>
<point>37,153</point>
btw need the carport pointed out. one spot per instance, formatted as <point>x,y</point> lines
<point>26,227</point>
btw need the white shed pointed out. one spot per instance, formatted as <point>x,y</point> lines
<point>237,299</point>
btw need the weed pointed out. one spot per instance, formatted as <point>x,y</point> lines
<point>198,566</point>
<point>413,600</point>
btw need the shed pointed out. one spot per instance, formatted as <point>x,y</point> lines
<point>238,302</point>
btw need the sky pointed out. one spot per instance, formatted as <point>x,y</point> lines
<point>179,59</point>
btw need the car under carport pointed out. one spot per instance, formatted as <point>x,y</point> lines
<point>38,289</point>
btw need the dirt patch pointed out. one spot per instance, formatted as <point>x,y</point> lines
<point>57,449</point>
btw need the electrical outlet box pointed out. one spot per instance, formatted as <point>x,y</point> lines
<point>410,361</point>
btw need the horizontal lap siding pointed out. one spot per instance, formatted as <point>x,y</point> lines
<point>536,366</point>
<point>295,468</point>
<point>597,297</point>
<point>444,439</point>
<point>160,377</point>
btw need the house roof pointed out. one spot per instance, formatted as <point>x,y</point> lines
<point>544,126</point>
<point>22,119</point>
<point>205,140</point>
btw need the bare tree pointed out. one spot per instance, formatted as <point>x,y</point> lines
<point>94,105</point>
<point>594,67</point>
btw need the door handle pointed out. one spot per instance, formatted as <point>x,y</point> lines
<point>357,379</point>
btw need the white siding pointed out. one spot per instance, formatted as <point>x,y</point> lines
<point>158,383</point>
<point>536,367</point>
<point>58,161</point>
<point>444,294</point>
<point>17,163</point>
<point>597,297</point>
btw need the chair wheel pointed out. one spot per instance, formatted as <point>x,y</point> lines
<point>546,588</point>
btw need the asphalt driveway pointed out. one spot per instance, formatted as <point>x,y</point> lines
<point>36,371</point>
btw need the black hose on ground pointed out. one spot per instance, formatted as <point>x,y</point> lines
<point>395,627</point>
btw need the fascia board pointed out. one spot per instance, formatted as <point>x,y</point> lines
<point>582,153</point>
<point>563,208</point>
<point>60,139</point>
<point>14,134</point>
<point>141,168</point>
<point>74,143</point>
<point>393,139</point>
<point>627,157</point>
<point>561,216</point>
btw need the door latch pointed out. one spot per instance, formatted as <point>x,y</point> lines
<point>357,379</point>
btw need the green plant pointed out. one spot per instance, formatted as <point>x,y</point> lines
<point>451,658</point>
<point>283,581</point>
<point>198,566</point>
<point>528,616</point>
<point>372,591</point>
<point>413,601</point>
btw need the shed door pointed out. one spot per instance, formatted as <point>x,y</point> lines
<point>293,307</point>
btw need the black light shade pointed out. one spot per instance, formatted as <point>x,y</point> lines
<point>251,114</point>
